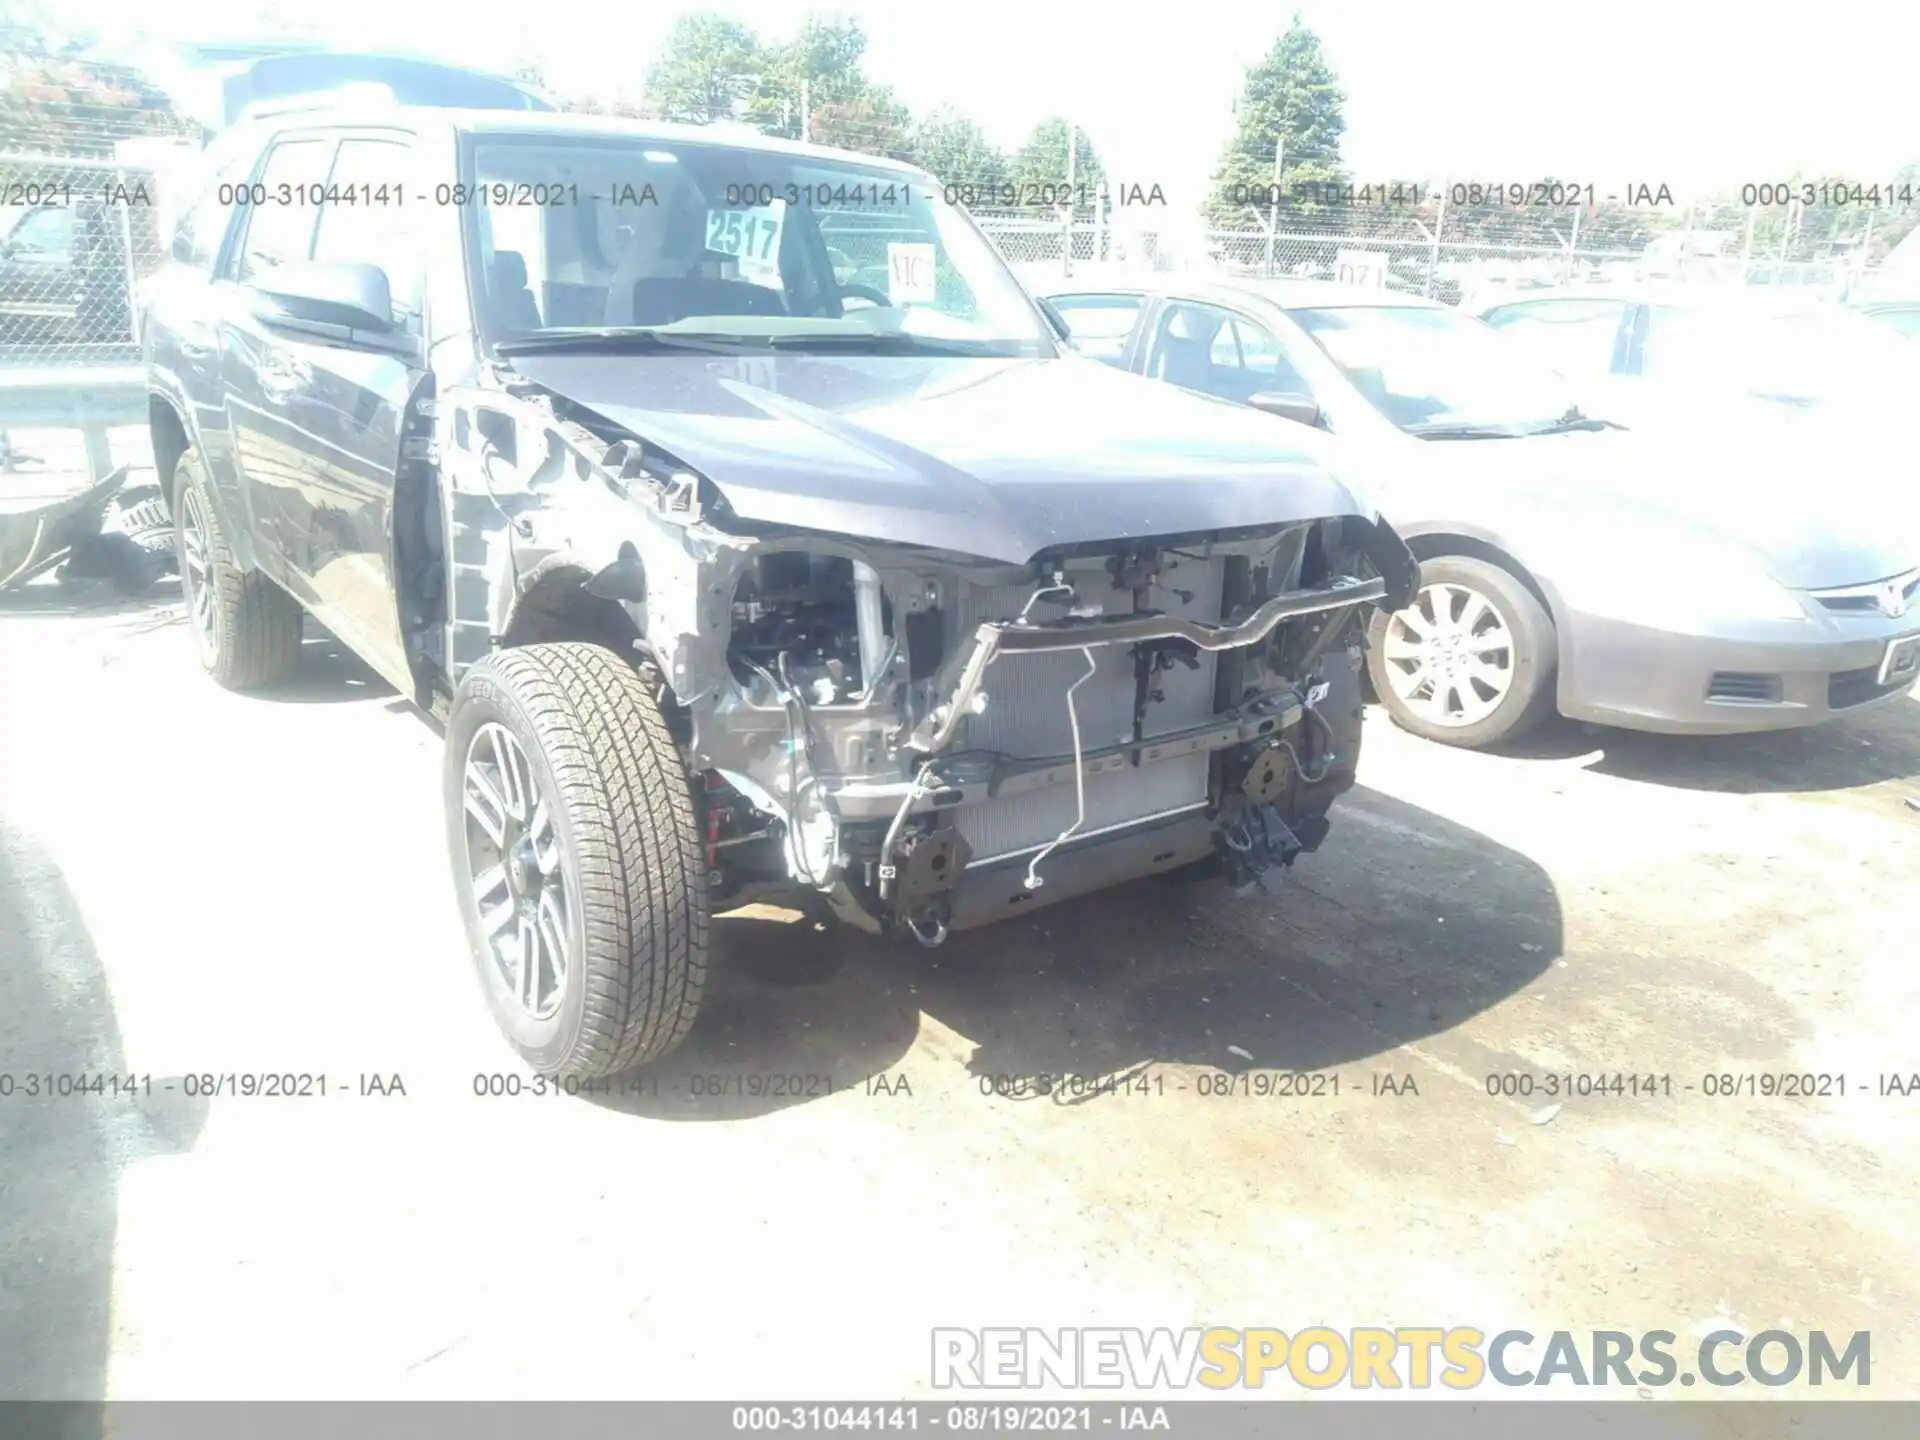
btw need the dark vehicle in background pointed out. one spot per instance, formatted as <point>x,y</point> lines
<point>405,80</point>
<point>752,533</point>
<point>1701,579</point>
<point>64,282</point>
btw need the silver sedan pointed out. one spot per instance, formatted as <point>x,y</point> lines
<point>1749,569</point>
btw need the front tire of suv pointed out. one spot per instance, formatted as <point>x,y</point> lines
<point>247,628</point>
<point>582,880</point>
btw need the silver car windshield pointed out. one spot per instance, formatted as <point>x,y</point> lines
<point>1433,371</point>
<point>706,239</point>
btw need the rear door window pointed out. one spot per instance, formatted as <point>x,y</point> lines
<point>1202,347</point>
<point>1101,324</point>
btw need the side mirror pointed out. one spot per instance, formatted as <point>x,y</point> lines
<point>345,302</point>
<point>1287,405</point>
<point>1057,321</point>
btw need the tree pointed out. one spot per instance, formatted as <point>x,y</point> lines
<point>1042,160</point>
<point>1292,96</point>
<point>819,73</point>
<point>957,150</point>
<point>707,64</point>
<point>871,121</point>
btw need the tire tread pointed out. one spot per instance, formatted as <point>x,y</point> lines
<point>257,625</point>
<point>639,863</point>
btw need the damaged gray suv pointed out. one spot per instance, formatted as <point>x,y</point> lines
<point>750,531</point>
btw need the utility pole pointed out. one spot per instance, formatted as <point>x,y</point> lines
<point>805,117</point>
<point>1787,232</point>
<point>1066,238</point>
<point>1273,209</point>
<point>1862,257</point>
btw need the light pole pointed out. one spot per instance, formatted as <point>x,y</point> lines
<point>1273,209</point>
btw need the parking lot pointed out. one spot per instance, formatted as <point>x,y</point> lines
<point>194,883</point>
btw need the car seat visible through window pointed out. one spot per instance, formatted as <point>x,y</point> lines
<point>508,297</point>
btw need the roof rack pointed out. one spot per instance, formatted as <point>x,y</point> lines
<point>358,92</point>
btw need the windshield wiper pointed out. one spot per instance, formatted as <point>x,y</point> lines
<point>624,340</point>
<point>1575,419</point>
<point>1440,430</point>
<point>889,343</point>
<point>644,340</point>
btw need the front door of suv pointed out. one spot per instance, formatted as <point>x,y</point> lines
<point>358,399</point>
<point>317,423</point>
<point>270,420</point>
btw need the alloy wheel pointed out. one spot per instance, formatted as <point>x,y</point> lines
<point>196,571</point>
<point>516,872</point>
<point>1449,656</point>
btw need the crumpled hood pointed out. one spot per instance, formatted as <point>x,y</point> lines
<point>1822,504</point>
<point>994,458</point>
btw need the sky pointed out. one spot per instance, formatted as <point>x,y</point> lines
<point>1694,96</point>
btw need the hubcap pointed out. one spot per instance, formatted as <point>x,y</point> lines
<point>1449,655</point>
<point>196,578</point>
<point>514,869</point>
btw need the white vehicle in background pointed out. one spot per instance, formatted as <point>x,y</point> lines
<point>1748,571</point>
<point>1659,346</point>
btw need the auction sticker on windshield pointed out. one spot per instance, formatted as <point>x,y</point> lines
<point>752,237</point>
<point>910,272</point>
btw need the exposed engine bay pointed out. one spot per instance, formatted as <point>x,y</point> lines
<point>930,741</point>
<point>1096,718</point>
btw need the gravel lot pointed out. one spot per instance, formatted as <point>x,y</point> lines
<point>193,882</point>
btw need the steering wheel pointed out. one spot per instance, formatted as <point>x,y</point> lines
<point>860,292</point>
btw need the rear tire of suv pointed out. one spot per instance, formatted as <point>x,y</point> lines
<point>247,628</point>
<point>1471,662</point>
<point>582,879</point>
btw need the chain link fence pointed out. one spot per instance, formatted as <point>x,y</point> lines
<point>1456,253</point>
<point>77,238</point>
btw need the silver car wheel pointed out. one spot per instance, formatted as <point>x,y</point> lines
<point>1449,656</point>
<point>515,871</point>
<point>196,571</point>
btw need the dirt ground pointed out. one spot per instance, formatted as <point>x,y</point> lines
<point>197,883</point>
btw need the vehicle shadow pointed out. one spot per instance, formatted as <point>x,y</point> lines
<point>61,1155</point>
<point>1343,961</point>
<point>328,673</point>
<point>47,596</point>
<point>1871,749</point>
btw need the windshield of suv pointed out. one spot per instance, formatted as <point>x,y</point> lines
<point>1436,372</point>
<point>710,240</point>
